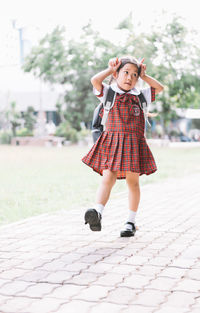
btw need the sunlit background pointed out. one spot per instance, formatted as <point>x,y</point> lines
<point>44,178</point>
<point>24,23</point>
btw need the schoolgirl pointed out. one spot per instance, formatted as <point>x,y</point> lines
<point>121,152</point>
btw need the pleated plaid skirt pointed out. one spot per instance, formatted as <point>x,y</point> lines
<point>122,147</point>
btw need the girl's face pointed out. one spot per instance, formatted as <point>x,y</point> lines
<point>127,77</point>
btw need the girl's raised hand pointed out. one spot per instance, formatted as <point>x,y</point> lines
<point>143,68</point>
<point>114,64</point>
<point>149,114</point>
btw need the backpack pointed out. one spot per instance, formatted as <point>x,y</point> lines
<point>98,123</point>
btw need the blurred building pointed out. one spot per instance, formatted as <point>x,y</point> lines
<point>188,123</point>
<point>15,85</point>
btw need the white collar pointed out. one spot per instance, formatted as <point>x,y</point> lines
<point>133,91</point>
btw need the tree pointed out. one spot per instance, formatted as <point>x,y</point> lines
<point>47,61</point>
<point>13,117</point>
<point>170,56</point>
<point>176,54</point>
<point>72,66</point>
<point>29,119</point>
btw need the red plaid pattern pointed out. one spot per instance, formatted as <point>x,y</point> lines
<point>122,146</point>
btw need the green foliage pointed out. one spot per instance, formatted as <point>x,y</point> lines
<point>29,119</point>
<point>23,132</point>
<point>65,130</point>
<point>126,23</point>
<point>84,133</point>
<point>170,56</point>
<point>14,117</point>
<point>48,60</point>
<point>5,137</point>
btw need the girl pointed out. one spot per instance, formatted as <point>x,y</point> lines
<point>121,152</point>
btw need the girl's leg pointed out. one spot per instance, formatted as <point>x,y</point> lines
<point>93,216</point>
<point>107,182</point>
<point>132,180</point>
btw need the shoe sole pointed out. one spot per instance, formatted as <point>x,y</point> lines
<point>92,219</point>
<point>127,234</point>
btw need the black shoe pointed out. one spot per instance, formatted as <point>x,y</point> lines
<point>127,232</point>
<point>93,218</point>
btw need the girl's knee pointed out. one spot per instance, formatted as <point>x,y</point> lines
<point>109,177</point>
<point>132,179</point>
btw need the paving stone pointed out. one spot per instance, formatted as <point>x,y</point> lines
<point>3,282</point>
<point>32,264</point>
<point>152,298</point>
<point>93,293</point>
<point>53,265</point>
<point>136,281</point>
<point>123,269</point>
<point>121,295</point>
<point>76,306</point>
<point>10,264</point>
<point>136,260</point>
<point>162,283</point>
<point>168,252</point>
<point>171,309</point>
<point>59,277</point>
<point>34,276</point>
<point>193,274</point>
<point>181,299</point>
<point>107,307</point>
<point>66,291</point>
<point>188,285</point>
<point>197,302</point>
<point>149,270</point>
<point>14,287</point>
<point>173,272</point>
<point>126,252</point>
<point>4,299</point>
<point>110,279</point>
<point>160,261</point>
<point>76,267</point>
<point>38,290</point>
<point>114,259</point>
<point>138,309</point>
<point>99,268</point>
<point>183,263</point>
<point>16,304</point>
<point>83,279</point>
<point>62,269</point>
<point>47,305</point>
<point>13,273</point>
<point>147,253</point>
<point>70,258</point>
<point>194,310</point>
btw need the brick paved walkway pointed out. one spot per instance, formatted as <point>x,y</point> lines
<point>54,263</point>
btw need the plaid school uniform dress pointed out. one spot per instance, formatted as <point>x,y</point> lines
<point>122,146</point>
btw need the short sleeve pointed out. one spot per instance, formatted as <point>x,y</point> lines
<point>149,94</point>
<point>102,95</point>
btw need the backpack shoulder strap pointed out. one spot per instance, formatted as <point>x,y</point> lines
<point>109,98</point>
<point>144,107</point>
<point>142,100</point>
<point>108,104</point>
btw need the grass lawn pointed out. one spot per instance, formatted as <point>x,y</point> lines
<point>36,180</point>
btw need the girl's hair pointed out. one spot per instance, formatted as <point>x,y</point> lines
<point>131,60</point>
<point>125,60</point>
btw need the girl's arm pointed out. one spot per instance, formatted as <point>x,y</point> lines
<point>97,79</point>
<point>152,82</point>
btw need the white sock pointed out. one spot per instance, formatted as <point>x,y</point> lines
<point>131,219</point>
<point>99,208</point>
